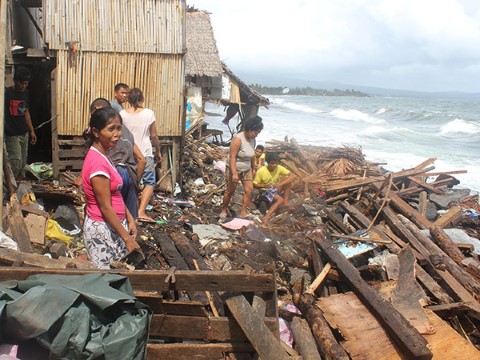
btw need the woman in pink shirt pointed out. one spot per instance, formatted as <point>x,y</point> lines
<point>109,229</point>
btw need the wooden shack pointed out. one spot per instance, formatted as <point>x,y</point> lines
<point>209,79</point>
<point>91,46</point>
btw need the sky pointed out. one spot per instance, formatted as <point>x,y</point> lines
<point>423,45</point>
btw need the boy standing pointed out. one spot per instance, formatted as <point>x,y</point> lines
<point>18,124</point>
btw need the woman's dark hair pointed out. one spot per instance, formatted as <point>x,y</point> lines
<point>135,97</point>
<point>99,120</point>
<point>253,124</point>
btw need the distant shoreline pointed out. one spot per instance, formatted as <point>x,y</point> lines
<point>308,91</point>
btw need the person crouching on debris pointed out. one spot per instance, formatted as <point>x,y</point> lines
<point>274,182</point>
<point>109,229</point>
<point>240,164</point>
<point>259,158</point>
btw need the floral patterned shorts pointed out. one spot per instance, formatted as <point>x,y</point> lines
<point>103,244</point>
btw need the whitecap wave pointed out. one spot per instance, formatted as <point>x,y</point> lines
<point>460,126</point>
<point>382,110</point>
<point>293,106</point>
<point>375,130</point>
<point>356,115</point>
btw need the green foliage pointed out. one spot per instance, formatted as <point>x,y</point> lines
<point>280,90</point>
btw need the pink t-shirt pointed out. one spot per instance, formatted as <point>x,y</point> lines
<point>97,164</point>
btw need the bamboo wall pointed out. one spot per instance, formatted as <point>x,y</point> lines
<point>160,76</point>
<point>143,26</point>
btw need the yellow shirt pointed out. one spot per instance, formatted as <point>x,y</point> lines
<point>265,176</point>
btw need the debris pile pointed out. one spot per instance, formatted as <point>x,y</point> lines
<point>359,253</point>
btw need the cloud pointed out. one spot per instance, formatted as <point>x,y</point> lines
<point>366,39</point>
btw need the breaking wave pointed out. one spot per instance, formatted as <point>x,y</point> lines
<point>460,126</point>
<point>295,106</point>
<point>356,115</point>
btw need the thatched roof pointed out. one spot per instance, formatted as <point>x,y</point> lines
<point>247,94</point>
<point>202,57</point>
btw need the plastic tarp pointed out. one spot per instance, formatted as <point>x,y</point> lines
<point>91,316</point>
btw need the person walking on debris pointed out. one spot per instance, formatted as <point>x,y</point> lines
<point>141,122</point>
<point>109,229</point>
<point>120,93</point>
<point>240,165</point>
<point>274,182</point>
<point>128,160</point>
<point>18,124</point>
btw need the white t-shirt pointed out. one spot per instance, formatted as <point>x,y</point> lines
<point>139,125</point>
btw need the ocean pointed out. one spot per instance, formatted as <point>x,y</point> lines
<point>399,131</point>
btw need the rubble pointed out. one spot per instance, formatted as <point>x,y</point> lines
<point>401,248</point>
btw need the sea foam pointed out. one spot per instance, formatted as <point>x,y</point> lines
<point>356,115</point>
<point>460,126</point>
<point>294,106</point>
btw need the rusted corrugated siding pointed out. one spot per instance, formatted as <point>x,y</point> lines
<point>143,26</point>
<point>160,76</point>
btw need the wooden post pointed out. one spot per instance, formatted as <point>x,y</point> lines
<point>422,203</point>
<point>3,31</point>
<point>401,331</point>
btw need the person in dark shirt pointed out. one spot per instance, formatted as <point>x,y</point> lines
<point>18,124</point>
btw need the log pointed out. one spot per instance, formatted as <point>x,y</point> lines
<point>446,244</point>
<point>326,342</point>
<point>17,225</point>
<point>261,338</point>
<point>304,341</point>
<point>465,279</point>
<point>401,331</point>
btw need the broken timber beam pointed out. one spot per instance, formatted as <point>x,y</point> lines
<point>405,209</point>
<point>401,331</point>
<point>261,338</point>
<point>451,218</point>
<point>17,225</point>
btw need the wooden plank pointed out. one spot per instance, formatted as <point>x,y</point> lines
<point>401,231</point>
<point>70,164</point>
<point>397,326</point>
<point>17,225</point>
<point>265,343</point>
<point>161,306</point>
<point>425,185</point>
<point>154,280</point>
<point>407,296</point>
<point>200,328</point>
<point>446,244</point>
<point>346,313</point>
<point>43,264</point>
<point>422,203</point>
<point>195,351</point>
<point>71,153</point>
<point>405,209</point>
